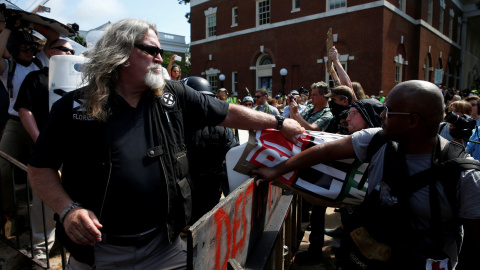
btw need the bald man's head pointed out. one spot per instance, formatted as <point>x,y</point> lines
<point>422,97</point>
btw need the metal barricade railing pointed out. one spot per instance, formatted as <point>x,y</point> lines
<point>17,244</point>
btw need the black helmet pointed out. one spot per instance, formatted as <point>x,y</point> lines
<point>17,38</point>
<point>200,84</point>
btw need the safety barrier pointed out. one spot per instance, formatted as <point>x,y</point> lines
<point>18,240</point>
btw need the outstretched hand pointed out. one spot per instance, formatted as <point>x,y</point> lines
<point>290,129</point>
<point>265,174</point>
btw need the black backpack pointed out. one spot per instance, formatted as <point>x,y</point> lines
<point>378,234</point>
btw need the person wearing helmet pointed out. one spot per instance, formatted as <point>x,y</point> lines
<point>248,101</point>
<point>206,150</point>
<point>222,94</point>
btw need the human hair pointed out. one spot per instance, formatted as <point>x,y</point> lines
<point>358,90</point>
<point>111,51</point>
<point>320,86</point>
<point>262,92</point>
<point>461,106</point>
<point>272,101</point>
<point>477,98</point>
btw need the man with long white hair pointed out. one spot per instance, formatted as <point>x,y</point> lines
<point>125,192</point>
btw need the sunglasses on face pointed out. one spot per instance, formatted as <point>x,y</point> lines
<point>176,71</point>
<point>152,50</point>
<point>64,49</point>
<point>388,113</point>
<point>248,104</point>
<point>258,96</point>
<point>31,49</point>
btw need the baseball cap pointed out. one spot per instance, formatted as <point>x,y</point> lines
<point>294,92</point>
<point>341,91</point>
<point>247,98</point>
<point>278,96</point>
<point>222,89</point>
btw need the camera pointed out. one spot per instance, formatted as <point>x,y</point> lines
<point>463,125</point>
<point>290,98</point>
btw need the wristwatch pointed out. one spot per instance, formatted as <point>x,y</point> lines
<point>280,120</point>
<point>67,209</point>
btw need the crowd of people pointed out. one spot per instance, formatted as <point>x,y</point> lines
<point>120,171</point>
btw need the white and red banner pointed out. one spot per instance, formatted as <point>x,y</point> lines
<point>335,182</point>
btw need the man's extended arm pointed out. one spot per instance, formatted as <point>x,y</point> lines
<point>334,150</point>
<point>342,74</point>
<point>28,122</point>
<point>81,225</point>
<point>245,118</point>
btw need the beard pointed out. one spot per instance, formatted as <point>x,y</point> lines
<point>154,80</point>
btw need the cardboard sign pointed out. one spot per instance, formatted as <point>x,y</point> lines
<point>331,184</point>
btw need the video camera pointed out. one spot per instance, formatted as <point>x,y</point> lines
<point>463,125</point>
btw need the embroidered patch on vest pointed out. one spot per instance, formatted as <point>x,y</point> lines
<point>168,99</point>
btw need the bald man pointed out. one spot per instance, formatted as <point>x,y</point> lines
<point>406,121</point>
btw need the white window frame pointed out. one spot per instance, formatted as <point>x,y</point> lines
<point>430,12</point>
<point>294,6</point>
<point>341,3</point>
<point>208,25</point>
<point>402,5</point>
<point>235,82</point>
<point>399,62</point>
<point>328,77</point>
<point>213,80</point>
<point>258,20</point>
<point>234,16</point>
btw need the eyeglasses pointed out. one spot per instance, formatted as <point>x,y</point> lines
<point>258,96</point>
<point>176,71</point>
<point>352,113</point>
<point>152,50</point>
<point>388,113</point>
<point>31,49</point>
<point>64,49</point>
<point>248,104</point>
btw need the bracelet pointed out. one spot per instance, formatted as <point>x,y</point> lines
<point>68,209</point>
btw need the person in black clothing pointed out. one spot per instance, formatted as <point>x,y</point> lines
<point>125,192</point>
<point>206,150</point>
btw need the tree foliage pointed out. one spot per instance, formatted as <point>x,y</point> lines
<point>187,15</point>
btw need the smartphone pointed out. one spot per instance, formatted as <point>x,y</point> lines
<point>44,9</point>
<point>178,58</point>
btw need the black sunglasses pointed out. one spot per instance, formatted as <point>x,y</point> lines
<point>152,50</point>
<point>32,49</point>
<point>64,49</point>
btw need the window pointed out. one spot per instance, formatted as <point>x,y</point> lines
<point>295,5</point>
<point>265,60</point>
<point>426,69</point>
<point>235,16</point>
<point>212,25</point>
<point>263,12</point>
<point>430,12</point>
<point>398,73</point>
<point>442,14</point>
<point>450,28</point>
<point>331,84</point>
<point>402,5</point>
<point>459,29</point>
<point>235,82</point>
<point>337,4</point>
<point>212,79</point>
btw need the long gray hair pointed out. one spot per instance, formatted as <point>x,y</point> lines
<point>110,52</point>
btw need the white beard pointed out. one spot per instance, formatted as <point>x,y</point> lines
<point>153,79</point>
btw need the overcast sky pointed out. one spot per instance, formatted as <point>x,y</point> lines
<point>168,15</point>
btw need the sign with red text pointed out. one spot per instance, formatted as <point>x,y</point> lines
<point>334,182</point>
<point>232,228</point>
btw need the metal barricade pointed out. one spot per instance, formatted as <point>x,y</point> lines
<point>26,249</point>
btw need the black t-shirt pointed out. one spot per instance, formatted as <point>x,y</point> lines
<point>33,96</point>
<point>136,197</point>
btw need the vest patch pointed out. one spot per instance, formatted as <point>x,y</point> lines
<point>168,99</point>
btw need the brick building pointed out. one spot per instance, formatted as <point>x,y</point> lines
<point>381,43</point>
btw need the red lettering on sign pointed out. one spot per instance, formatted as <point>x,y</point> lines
<point>220,218</point>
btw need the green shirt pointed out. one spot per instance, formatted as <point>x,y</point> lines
<point>321,118</point>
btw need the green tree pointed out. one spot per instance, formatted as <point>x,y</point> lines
<point>187,15</point>
<point>185,68</point>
